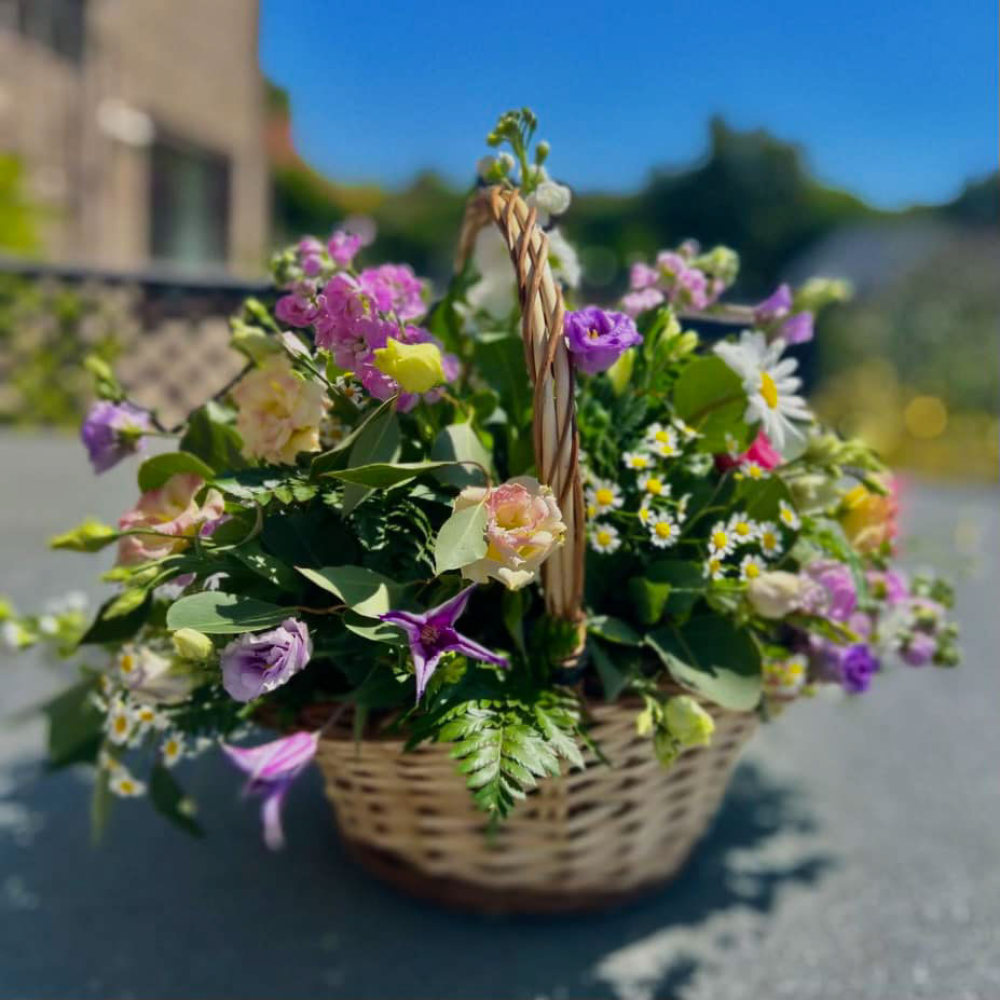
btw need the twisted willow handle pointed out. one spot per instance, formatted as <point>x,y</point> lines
<point>556,442</point>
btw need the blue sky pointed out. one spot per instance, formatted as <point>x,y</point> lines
<point>896,101</point>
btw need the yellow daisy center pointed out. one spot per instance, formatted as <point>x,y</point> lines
<point>127,664</point>
<point>654,486</point>
<point>768,390</point>
<point>720,539</point>
<point>121,724</point>
<point>604,538</point>
<point>768,540</point>
<point>752,571</point>
<point>787,516</point>
<point>639,461</point>
<point>663,437</point>
<point>664,529</point>
<point>742,529</point>
<point>604,496</point>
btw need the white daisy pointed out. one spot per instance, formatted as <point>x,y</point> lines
<point>743,529</point>
<point>644,512</point>
<point>654,485</point>
<point>108,761</point>
<point>663,530</point>
<point>120,724</point>
<point>603,495</point>
<point>147,717</point>
<point>715,568</point>
<point>128,665</point>
<point>785,678</point>
<point>661,440</point>
<point>770,539</point>
<point>769,384</point>
<point>787,516</point>
<point>125,786</point>
<point>721,540</point>
<point>637,460</point>
<point>604,538</point>
<point>685,430</point>
<point>754,470</point>
<point>751,567</point>
<point>172,749</point>
<point>682,506</point>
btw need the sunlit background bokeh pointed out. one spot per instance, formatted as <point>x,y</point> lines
<point>182,142</point>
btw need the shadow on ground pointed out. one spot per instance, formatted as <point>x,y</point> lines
<point>154,914</point>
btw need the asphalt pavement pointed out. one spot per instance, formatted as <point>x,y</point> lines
<point>857,854</point>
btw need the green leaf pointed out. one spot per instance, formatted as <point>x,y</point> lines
<point>313,536</point>
<point>709,396</point>
<point>214,441</point>
<point>761,499</point>
<point>373,630</point>
<point>686,580</point>
<point>215,613</point>
<point>125,602</point>
<point>272,569</point>
<point>382,475</point>
<point>460,443</point>
<point>363,590</point>
<point>336,456</point>
<point>168,798</point>
<point>155,471</point>
<point>500,361</point>
<point>462,539</point>
<point>612,679</point>
<point>378,443</point>
<point>117,628</point>
<point>614,630</point>
<point>714,658</point>
<point>649,597</point>
<point>75,724</point>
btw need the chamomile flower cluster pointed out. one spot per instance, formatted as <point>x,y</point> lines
<point>743,547</point>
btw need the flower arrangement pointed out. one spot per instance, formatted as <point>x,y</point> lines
<point>357,525</point>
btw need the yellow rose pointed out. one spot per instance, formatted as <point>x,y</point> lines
<point>869,519</point>
<point>416,367</point>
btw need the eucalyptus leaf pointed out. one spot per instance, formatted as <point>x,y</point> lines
<point>363,590</point>
<point>714,658</point>
<point>335,458</point>
<point>460,443</point>
<point>216,613</point>
<point>155,471</point>
<point>462,539</point>
<point>381,475</point>
<point>378,443</point>
<point>613,680</point>
<point>117,628</point>
<point>614,630</point>
<point>75,725</point>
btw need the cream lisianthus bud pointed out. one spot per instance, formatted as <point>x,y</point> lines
<point>416,367</point>
<point>688,722</point>
<point>190,644</point>
<point>776,594</point>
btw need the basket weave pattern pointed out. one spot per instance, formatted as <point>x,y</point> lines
<point>592,832</point>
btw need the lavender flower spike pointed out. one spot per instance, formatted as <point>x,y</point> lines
<point>272,767</point>
<point>256,663</point>
<point>112,431</point>
<point>433,634</point>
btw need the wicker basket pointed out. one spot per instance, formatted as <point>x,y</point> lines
<point>591,837</point>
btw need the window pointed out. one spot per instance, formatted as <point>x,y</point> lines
<point>189,204</point>
<point>59,25</point>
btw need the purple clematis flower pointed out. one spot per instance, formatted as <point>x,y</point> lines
<point>258,662</point>
<point>112,431</point>
<point>433,634</point>
<point>597,339</point>
<point>272,767</point>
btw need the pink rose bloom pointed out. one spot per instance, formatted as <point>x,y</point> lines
<point>761,451</point>
<point>279,412</point>
<point>524,526</point>
<point>173,513</point>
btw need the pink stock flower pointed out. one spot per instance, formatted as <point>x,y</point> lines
<point>642,276</point>
<point>310,252</point>
<point>524,526</point>
<point>638,302</point>
<point>343,247</point>
<point>295,310</point>
<point>340,305</point>
<point>394,288</point>
<point>173,514</point>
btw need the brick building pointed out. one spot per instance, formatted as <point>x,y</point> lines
<point>141,127</point>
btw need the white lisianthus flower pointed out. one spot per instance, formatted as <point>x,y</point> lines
<point>769,384</point>
<point>776,594</point>
<point>495,292</point>
<point>563,259</point>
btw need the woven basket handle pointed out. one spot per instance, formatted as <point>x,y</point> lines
<point>557,445</point>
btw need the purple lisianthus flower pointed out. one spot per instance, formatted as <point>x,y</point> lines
<point>272,767</point>
<point>597,339</point>
<point>835,596</point>
<point>857,665</point>
<point>111,431</point>
<point>433,634</point>
<point>258,662</point>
